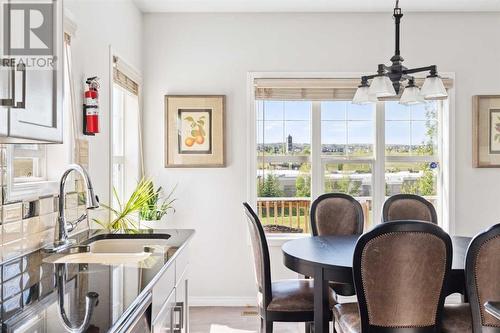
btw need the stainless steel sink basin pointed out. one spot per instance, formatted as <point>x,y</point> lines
<point>100,258</point>
<point>131,245</point>
<point>113,249</point>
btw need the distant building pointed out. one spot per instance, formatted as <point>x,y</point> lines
<point>289,144</point>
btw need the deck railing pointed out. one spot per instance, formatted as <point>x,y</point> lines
<point>292,215</point>
<point>282,215</point>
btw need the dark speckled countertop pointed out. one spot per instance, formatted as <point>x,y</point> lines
<point>29,293</point>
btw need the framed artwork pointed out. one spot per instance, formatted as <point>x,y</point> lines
<point>194,136</point>
<point>486,131</point>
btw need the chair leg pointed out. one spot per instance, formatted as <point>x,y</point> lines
<point>266,326</point>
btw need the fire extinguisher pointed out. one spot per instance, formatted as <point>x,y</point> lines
<point>91,107</point>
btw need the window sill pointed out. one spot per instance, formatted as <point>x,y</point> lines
<point>29,190</point>
<point>277,240</point>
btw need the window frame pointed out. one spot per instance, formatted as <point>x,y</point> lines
<point>445,144</point>
<point>39,186</point>
<point>115,61</point>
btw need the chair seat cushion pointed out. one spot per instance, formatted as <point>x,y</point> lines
<point>347,317</point>
<point>343,289</point>
<point>457,318</point>
<point>294,295</point>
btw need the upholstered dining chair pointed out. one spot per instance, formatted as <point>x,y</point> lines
<point>337,214</point>
<point>279,301</point>
<point>482,272</point>
<point>408,207</point>
<point>399,272</point>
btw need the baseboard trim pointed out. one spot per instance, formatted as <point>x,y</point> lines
<point>222,301</point>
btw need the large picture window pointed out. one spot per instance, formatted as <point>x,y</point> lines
<point>305,148</point>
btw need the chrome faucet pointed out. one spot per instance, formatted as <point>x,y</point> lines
<point>63,227</point>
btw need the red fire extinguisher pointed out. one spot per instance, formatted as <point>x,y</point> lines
<point>91,107</point>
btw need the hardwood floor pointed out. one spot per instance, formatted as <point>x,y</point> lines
<point>232,320</point>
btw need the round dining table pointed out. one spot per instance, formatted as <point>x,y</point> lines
<point>330,258</point>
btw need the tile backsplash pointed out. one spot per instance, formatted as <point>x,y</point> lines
<point>28,225</point>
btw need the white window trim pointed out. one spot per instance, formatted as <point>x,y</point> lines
<point>136,76</point>
<point>448,154</point>
<point>31,189</point>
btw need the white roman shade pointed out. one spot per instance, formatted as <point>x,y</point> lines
<point>314,89</point>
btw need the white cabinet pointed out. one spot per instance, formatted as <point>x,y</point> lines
<point>170,298</point>
<point>31,84</point>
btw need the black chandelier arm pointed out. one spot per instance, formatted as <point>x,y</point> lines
<point>432,70</point>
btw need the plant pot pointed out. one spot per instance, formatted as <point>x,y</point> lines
<point>154,224</point>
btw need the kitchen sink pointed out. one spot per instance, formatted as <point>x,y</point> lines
<point>130,245</point>
<point>113,249</point>
<point>99,258</point>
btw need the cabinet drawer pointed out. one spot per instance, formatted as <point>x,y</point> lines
<point>162,290</point>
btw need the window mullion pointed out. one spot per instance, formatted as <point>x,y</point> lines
<point>316,165</point>
<point>379,163</point>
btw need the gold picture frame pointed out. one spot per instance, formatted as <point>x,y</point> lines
<point>486,131</point>
<point>195,133</point>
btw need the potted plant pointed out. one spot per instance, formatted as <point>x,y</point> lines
<point>153,212</point>
<point>124,216</point>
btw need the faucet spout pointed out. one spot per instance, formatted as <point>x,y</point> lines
<point>63,227</point>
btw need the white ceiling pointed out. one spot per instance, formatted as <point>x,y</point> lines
<point>315,5</point>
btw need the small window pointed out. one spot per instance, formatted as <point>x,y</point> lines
<point>29,162</point>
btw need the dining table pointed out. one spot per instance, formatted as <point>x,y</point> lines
<point>330,258</point>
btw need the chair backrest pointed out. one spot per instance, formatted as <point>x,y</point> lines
<point>400,270</point>
<point>482,273</point>
<point>408,207</point>
<point>260,256</point>
<point>336,214</point>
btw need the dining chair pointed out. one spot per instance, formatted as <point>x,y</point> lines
<point>337,214</point>
<point>482,269</point>
<point>408,207</point>
<point>399,272</point>
<point>283,300</point>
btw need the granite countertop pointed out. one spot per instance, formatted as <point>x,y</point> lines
<point>29,290</point>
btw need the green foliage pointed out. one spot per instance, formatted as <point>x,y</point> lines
<point>343,185</point>
<point>269,187</point>
<point>155,208</point>
<point>122,219</point>
<point>303,181</point>
<point>423,186</point>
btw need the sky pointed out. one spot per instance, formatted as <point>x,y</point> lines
<point>341,122</point>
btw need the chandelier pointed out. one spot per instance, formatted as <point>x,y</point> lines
<point>390,80</point>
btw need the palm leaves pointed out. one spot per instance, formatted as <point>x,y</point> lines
<point>122,216</point>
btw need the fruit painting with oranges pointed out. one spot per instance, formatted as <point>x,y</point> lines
<point>195,131</point>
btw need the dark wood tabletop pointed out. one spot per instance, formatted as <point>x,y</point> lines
<point>335,253</point>
<point>330,258</point>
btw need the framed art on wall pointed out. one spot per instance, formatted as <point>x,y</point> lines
<point>194,134</point>
<point>486,131</point>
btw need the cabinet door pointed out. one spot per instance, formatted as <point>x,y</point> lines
<point>38,88</point>
<point>181,310</point>
<point>165,320</point>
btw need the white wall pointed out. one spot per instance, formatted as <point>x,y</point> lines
<point>212,53</point>
<point>101,24</point>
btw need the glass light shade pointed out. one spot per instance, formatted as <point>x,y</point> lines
<point>381,86</point>
<point>433,88</point>
<point>362,96</point>
<point>411,95</point>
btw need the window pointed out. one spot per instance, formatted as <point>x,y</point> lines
<point>126,146</point>
<point>306,147</point>
<point>29,162</point>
